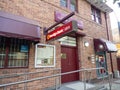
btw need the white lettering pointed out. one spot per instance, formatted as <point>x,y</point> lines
<point>67,28</point>
<point>56,33</point>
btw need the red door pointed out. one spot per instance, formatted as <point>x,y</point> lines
<point>69,62</point>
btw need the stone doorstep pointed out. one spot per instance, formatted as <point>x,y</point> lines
<point>94,88</point>
<point>118,81</point>
<point>71,85</point>
<point>67,88</point>
<point>98,88</point>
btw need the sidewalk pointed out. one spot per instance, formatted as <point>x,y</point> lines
<point>77,85</point>
<point>115,84</point>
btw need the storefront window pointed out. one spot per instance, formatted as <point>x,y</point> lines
<point>45,55</point>
<point>13,52</point>
<point>2,52</point>
<point>18,53</point>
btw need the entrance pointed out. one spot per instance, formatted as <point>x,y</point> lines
<point>101,62</point>
<point>69,63</point>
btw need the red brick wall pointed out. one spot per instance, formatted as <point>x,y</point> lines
<point>42,11</point>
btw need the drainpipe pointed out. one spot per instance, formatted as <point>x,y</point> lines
<point>119,29</point>
<point>109,39</point>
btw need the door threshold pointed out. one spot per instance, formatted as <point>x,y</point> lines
<point>102,77</point>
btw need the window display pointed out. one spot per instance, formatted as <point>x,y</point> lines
<point>45,55</point>
<point>14,52</point>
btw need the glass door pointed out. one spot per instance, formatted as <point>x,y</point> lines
<point>101,62</point>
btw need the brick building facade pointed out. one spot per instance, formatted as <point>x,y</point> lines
<point>41,14</point>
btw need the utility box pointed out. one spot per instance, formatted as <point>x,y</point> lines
<point>116,74</point>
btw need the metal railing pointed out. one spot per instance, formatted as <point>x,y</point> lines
<point>26,73</point>
<point>4,86</point>
<point>16,77</point>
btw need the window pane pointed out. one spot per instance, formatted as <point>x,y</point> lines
<point>96,15</point>
<point>93,13</point>
<point>119,4</point>
<point>63,3</point>
<point>93,17</point>
<point>71,41</point>
<point>97,20</point>
<point>18,57</point>
<point>2,51</point>
<point>73,5</point>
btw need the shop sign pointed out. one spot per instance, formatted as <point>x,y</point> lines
<point>62,31</point>
<point>59,16</point>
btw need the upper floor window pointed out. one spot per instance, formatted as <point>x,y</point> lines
<point>70,4</point>
<point>96,14</point>
<point>119,4</point>
<point>63,3</point>
<point>13,52</point>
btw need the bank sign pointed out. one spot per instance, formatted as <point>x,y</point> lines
<point>61,31</point>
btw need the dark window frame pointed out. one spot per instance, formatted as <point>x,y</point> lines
<point>68,3</point>
<point>7,52</point>
<point>119,4</point>
<point>96,15</point>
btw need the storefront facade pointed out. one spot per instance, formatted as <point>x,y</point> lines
<point>26,48</point>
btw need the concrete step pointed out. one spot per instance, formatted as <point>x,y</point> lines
<point>65,88</point>
<point>98,88</point>
<point>61,88</point>
<point>79,86</point>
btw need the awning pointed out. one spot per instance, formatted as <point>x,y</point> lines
<point>104,45</point>
<point>100,5</point>
<point>18,29</point>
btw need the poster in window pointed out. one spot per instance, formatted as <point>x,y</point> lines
<point>24,48</point>
<point>45,55</point>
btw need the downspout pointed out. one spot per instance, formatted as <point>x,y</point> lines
<point>119,29</point>
<point>111,62</point>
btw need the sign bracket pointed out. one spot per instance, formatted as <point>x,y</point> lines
<point>62,20</point>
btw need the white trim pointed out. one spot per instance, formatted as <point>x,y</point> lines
<point>110,46</point>
<point>36,66</point>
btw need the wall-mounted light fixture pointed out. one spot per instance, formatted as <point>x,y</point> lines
<point>101,46</point>
<point>86,44</point>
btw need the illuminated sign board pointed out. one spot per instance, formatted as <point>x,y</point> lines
<point>62,31</point>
